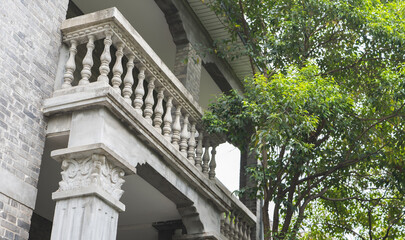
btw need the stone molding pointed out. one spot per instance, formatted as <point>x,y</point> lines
<point>17,189</point>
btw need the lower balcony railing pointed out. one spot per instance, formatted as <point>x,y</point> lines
<point>147,86</point>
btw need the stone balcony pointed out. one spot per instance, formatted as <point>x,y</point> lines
<point>126,113</point>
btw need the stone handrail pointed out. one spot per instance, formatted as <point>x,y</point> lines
<point>167,106</point>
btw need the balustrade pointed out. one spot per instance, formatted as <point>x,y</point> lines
<point>235,226</point>
<point>179,127</point>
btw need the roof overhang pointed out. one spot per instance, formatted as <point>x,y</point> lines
<point>217,30</point>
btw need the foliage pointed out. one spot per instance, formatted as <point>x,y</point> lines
<point>375,211</point>
<point>324,113</point>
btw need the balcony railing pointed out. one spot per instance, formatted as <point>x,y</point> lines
<point>168,106</point>
<point>145,84</point>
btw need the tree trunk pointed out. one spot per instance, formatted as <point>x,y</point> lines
<point>266,221</point>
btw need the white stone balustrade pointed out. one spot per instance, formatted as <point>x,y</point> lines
<point>235,226</point>
<point>160,88</point>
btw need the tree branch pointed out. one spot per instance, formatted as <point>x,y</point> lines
<point>345,228</point>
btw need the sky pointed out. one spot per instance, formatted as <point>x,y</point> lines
<point>228,164</point>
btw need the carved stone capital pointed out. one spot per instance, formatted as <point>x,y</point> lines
<point>91,174</point>
<point>92,170</point>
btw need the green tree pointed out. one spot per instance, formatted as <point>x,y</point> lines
<point>375,211</point>
<point>324,111</point>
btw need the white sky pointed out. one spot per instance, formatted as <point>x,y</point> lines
<point>228,163</point>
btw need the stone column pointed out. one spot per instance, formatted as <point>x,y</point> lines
<point>87,201</point>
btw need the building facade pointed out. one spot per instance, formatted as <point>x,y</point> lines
<point>100,122</point>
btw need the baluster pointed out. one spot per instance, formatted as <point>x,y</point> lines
<point>248,233</point>
<point>128,80</point>
<point>105,58</point>
<point>176,127</point>
<point>227,224</point>
<point>139,91</point>
<point>191,144</point>
<point>157,121</point>
<point>231,226</point>
<point>245,236</point>
<point>149,101</point>
<point>184,136</point>
<point>199,151</point>
<point>222,228</point>
<point>70,66</point>
<point>237,230</point>
<point>206,159</point>
<point>167,120</point>
<point>213,163</point>
<point>117,69</point>
<point>240,229</point>
<point>87,62</point>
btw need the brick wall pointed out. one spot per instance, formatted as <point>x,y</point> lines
<point>187,68</point>
<point>29,51</point>
<point>14,219</point>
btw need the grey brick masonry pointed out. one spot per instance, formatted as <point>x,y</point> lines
<point>29,51</point>
<point>14,219</point>
<point>187,68</point>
